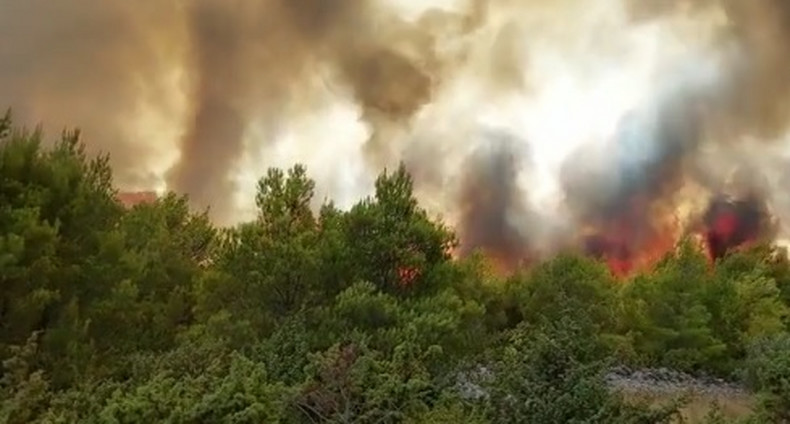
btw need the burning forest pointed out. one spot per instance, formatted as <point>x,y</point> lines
<point>614,129</point>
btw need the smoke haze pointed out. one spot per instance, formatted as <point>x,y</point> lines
<point>532,125</point>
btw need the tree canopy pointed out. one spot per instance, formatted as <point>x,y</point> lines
<point>153,314</point>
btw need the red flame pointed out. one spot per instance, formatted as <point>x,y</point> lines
<point>625,254</point>
<point>637,237</point>
<point>733,223</point>
<point>630,241</point>
<point>407,275</point>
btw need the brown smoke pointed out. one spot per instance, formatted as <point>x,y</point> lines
<point>217,70</point>
<point>253,59</point>
<point>96,64</point>
<point>225,67</point>
<point>763,95</point>
<point>92,65</point>
<point>759,96</point>
<point>494,215</point>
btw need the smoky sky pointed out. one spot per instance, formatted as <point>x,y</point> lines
<point>87,64</point>
<point>93,65</point>
<point>494,214</point>
<point>215,68</point>
<point>658,146</point>
<point>251,59</point>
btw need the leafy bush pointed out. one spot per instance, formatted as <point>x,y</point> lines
<point>152,314</point>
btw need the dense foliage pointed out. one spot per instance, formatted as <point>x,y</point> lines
<point>152,314</point>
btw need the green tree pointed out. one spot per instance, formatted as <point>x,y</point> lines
<point>351,383</point>
<point>153,314</point>
<point>57,211</point>
<point>159,253</point>
<point>767,370</point>
<point>395,244</point>
<point>745,305</point>
<point>553,374</point>
<point>24,390</point>
<point>666,316</point>
<point>772,260</point>
<point>565,287</point>
<point>268,268</point>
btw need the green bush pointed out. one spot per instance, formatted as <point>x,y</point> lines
<point>152,314</point>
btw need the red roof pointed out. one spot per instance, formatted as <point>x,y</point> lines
<point>129,199</point>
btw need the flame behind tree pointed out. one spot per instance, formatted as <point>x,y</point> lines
<point>635,95</point>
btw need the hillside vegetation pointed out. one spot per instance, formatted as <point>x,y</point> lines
<point>152,314</point>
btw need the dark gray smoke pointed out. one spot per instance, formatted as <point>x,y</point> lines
<point>495,217</point>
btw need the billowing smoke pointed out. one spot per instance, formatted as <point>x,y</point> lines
<point>235,63</point>
<point>620,193</point>
<point>102,66</point>
<point>624,118</point>
<point>730,223</point>
<point>494,216</point>
<point>226,65</point>
<point>653,154</point>
<point>255,58</point>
